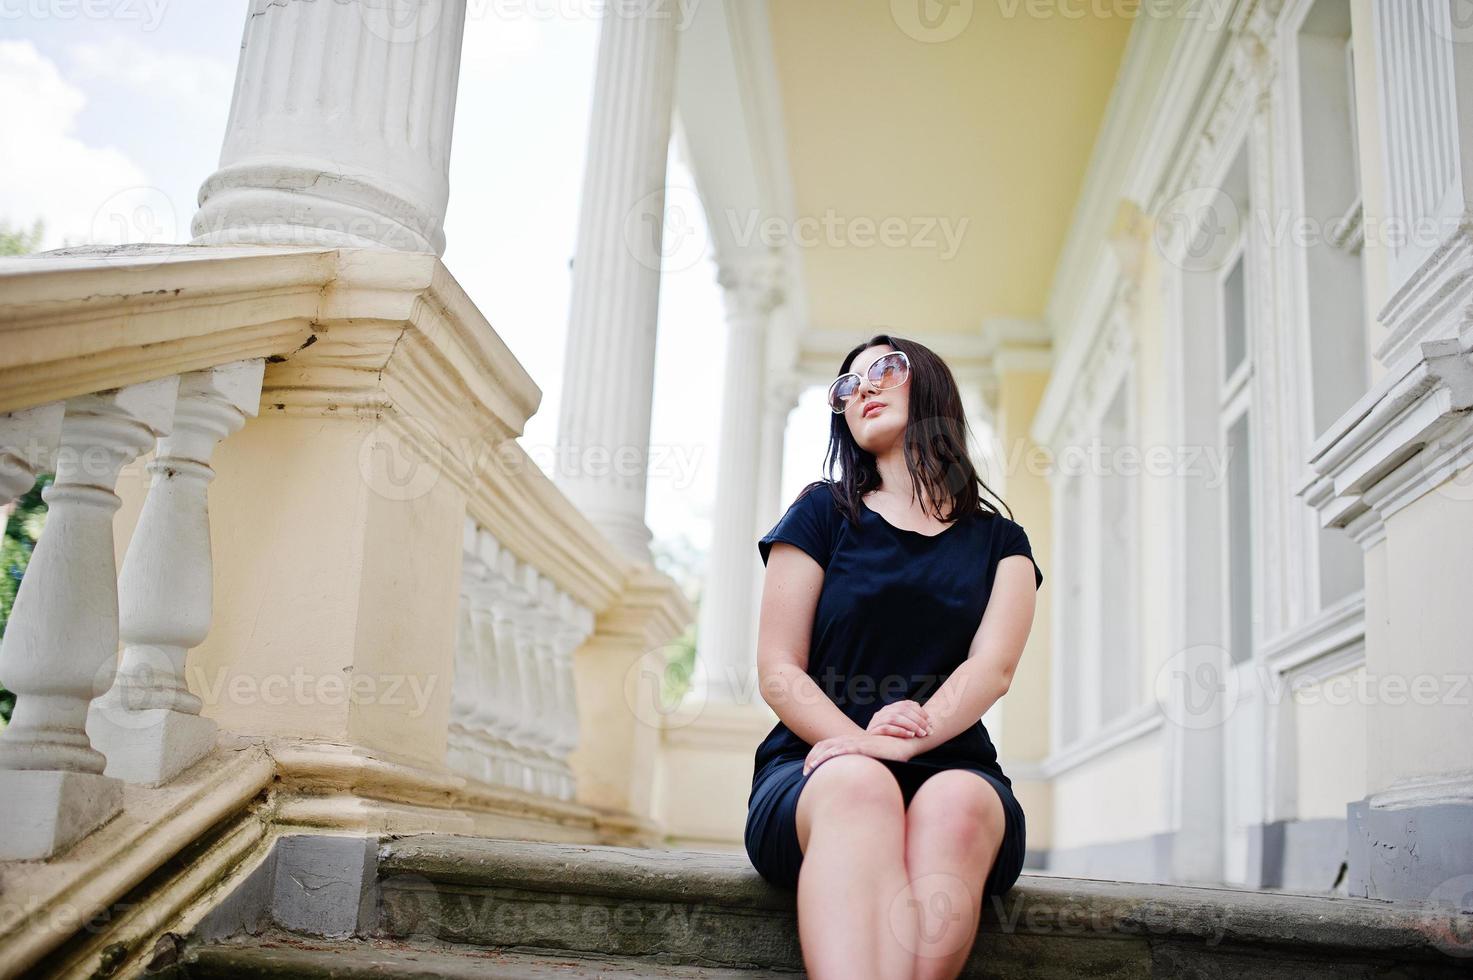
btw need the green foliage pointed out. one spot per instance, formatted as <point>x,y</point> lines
<point>21,533</point>
<point>30,510</point>
<point>683,562</point>
<point>19,241</point>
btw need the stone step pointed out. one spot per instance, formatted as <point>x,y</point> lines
<point>709,909</point>
<point>276,955</point>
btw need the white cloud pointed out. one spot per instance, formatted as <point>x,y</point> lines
<point>83,193</point>
<point>197,83</point>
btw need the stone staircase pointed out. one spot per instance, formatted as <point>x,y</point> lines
<point>448,906</point>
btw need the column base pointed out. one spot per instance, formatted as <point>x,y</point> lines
<point>148,747</point>
<point>45,811</point>
<point>1419,853</point>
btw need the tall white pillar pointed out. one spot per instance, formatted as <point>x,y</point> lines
<point>339,131</point>
<point>608,371</point>
<point>781,397</point>
<point>727,636</point>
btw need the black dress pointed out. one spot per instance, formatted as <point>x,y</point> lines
<point>896,615</point>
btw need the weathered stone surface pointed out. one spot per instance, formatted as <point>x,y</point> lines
<point>282,955</point>
<point>713,909</point>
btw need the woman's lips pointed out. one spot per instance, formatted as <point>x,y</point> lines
<point>872,408</point>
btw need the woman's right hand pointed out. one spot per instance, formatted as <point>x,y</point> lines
<point>903,719</point>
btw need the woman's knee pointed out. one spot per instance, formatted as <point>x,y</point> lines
<point>959,801</point>
<point>854,781</point>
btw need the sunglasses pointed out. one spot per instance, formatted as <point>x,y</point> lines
<point>888,371</point>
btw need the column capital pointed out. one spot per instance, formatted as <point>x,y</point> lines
<point>782,391</point>
<point>1017,345</point>
<point>752,286</point>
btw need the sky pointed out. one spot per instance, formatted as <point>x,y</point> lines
<point>112,113</point>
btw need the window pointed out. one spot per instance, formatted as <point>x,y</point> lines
<point>1234,401</point>
<point>1097,496</point>
<point>1333,310</point>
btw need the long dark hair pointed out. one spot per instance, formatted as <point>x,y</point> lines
<point>935,443</point>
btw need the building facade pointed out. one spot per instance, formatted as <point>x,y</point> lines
<point>1238,431</point>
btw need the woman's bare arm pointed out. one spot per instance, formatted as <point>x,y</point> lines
<point>790,589</point>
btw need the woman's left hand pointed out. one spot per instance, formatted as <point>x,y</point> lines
<point>877,746</point>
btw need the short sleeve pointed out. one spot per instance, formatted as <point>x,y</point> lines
<point>1015,542</point>
<point>808,523</point>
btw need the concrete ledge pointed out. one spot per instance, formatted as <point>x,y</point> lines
<point>277,955</point>
<point>716,910</point>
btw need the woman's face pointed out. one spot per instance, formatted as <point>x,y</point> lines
<point>876,418</point>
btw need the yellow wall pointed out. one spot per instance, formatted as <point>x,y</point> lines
<point>1027,705</point>
<point>1118,796</point>
<point>990,129</point>
<point>1329,746</point>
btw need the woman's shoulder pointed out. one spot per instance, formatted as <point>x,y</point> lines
<point>821,496</point>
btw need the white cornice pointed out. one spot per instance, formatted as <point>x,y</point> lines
<point>366,335</point>
<point>1406,436</point>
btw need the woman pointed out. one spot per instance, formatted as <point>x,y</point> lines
<point>894,611</point>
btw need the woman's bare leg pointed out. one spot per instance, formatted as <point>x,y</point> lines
<point>953,832</point>
<point>851,827</point>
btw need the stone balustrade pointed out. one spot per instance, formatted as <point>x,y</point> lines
<point>339,554</point>
<point>513,716</point>
<point>81,727</point>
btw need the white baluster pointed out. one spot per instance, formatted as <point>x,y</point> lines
<point>545,652</point>
<point>149,724</point>
<point>497,674</point>
<point>507,699</point>
<point>28,441</point>
<point>61,644</point>
<point>575,623</point>
<point>495,715</point>
<point>462,752</point>
<point>524,631</point>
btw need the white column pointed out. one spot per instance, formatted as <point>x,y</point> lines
<point>727,656</point>
<point>608,371</point>
<point>148,724</point>
<point>61,644</point>
<point>339,131</point>
<point>778,404</point>
<point>779,400</point>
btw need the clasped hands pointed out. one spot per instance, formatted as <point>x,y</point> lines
<point>892,733</point>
